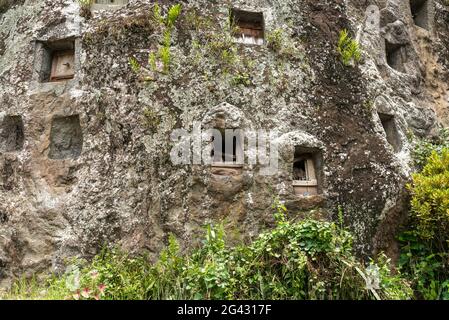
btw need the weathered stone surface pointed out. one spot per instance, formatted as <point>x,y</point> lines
<point>11,137</point>
<point>122,188</point>
<point>66,138</point>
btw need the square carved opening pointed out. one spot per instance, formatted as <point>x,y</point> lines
<point>56,60</point>
<point>227,152</point>
<point>248,27</point>
<point>12,137</point>
<point>227,148</point>
<point>66,138</point>
<point>391,131</point>
<point>420,12</point>
<point>396,56</point>
<point>307,177</point>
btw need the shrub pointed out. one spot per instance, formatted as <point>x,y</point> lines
<point>430,199</point>
<point>348,48</point>
<point>424,245</point>
<point>310,259</point>
<point>424,266</point>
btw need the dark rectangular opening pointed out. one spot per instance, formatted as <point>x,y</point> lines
<point>248,26</point>
<point>66,138</point>
<point>307,165</point>
<point>225,151</point>
<point>396,56</point>
<point>12,137</point>
<point>420,13</point>
<point>300,169</point>
<point>391,131</point>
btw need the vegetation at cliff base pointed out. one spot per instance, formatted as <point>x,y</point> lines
<point>309,259</point>
<point>425,251</point>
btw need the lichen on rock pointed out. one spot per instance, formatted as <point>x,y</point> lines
<point>120,186</point>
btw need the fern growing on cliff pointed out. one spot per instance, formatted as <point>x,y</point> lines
<point>348,48</point>
<point>173,14</point>
<point>135,66</point>
<point>163,54</point>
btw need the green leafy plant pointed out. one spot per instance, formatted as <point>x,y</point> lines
<point>173,14</point>
<point>135,66</point>
<point>430,198</point>
<point>275,39</point>
<point>340,215</point>
<point>171,17</point>
<point>426,268</point>
<point>241,78</point>
<point>157,15</point>
<point>162,56</point>
<point>152,61</point>
<point>310,259</point>
<point>164,53</point>
<point>424,255</point>
<point>348,48</point>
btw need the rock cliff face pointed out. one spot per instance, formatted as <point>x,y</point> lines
<point>85,160</point>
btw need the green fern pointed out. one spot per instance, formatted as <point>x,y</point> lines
<point>167,38</point>
<point>152,61</point>
<point>165,56</point>
<point>157,15</point>
<point>348,48</point>
<point>135,66</point>
<point>173,14</point>
<point>168,23</point>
